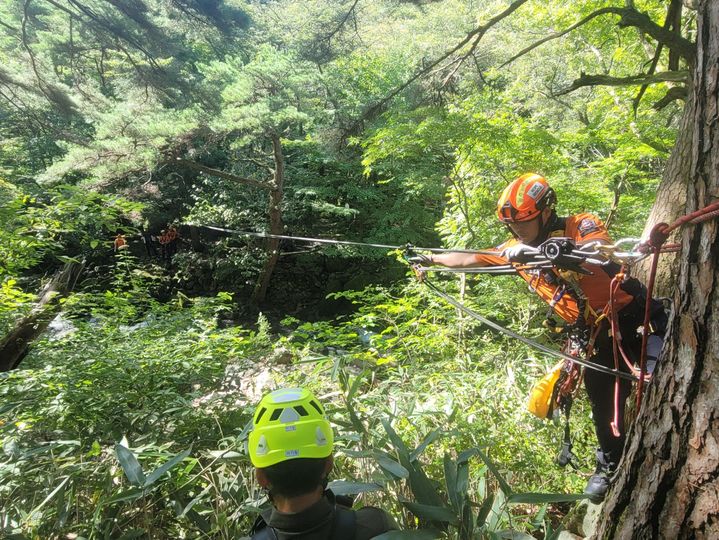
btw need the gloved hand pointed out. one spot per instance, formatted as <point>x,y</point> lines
<point>419,258</point>
<point>518,252</point>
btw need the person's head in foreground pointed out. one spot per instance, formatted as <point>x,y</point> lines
<point>291,445</point>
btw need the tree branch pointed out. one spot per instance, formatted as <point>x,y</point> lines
<point>606,80</point>
<point>332,34</point>
<point>629,17</point>
<point>222,174</point>
<point>674,42</point>
<point>9,27</point>
<point>557,35</point>
<point>677,92</point>
<point>479,31</point>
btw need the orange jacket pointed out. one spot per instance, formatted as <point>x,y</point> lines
<point>580,228</point>
<point>119,241</point>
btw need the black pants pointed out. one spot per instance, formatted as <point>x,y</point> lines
<point>600,386</point>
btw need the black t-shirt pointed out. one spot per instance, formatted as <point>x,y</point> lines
<point>315,522</point>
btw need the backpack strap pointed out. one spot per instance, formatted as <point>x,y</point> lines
<point>260,530</point>
<point>344,525</point>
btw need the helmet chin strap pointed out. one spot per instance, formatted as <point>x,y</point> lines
<point>544,228</point>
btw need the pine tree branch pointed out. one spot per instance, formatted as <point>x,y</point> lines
<point>222,174</point>
<point>332,34</point>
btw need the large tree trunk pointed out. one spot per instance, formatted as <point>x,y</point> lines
<point>276,224</point>
<point>15,345</point>
<point>668,482</point>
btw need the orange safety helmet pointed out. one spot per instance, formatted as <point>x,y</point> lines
<point>525,198</point>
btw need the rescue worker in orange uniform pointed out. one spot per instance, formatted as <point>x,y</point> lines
<point>120,242</point>
<point>527,208</point>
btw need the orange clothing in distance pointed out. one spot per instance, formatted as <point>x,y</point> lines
<point>172,234</point>
<point>580,228</point>
<point>119,242</point>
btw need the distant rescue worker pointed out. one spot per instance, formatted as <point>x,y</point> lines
<point>163,240</point>
<point>148,240</point>
<point>120,242</point>
<point>290,446</point>
<point>173,238</point>
<point>527,208</point>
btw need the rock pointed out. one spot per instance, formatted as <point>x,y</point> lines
<point>573,521</point>
<point>281,355</point>
<point>591,517</point>
<point>243,384</point>
<point>581,521</point>
<point>60,327</point>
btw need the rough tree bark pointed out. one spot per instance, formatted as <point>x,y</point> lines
<point>670,202</point>
<point>276,224</point>
<point>15,345</point>
<point>668,482</point>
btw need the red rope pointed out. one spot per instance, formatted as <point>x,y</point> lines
<point>645,327</point>
<point>617,348</point>
<point>657,244</point>
<point>703,214</point>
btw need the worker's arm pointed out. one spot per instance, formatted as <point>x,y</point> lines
<point>456,260</point>
<point>466,260</point>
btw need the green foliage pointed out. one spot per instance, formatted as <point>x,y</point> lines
<point>109,385</point>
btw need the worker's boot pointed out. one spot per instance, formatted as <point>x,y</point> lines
<point>599,482</point>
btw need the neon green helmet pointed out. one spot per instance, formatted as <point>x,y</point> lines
<point>288,424</point>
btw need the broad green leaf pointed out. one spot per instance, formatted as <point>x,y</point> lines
<point>226,455</point>
<point>391,466</point>
<point>397,443</point>
<point>342,487</point>
<point>484,510</point>
<point>450,478</point>
<point>48,498</point>
<point>130,495</point>
<point>462,478</point>
<point>66,259</point>
<point>356,384</point>
<point>431,513</point>
<point>429,439</point>
<point>496,510</point>
<point>129,463</point>
<point>492,467</point>
<point>169,464</point>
